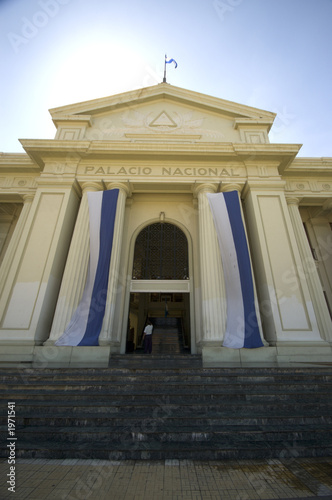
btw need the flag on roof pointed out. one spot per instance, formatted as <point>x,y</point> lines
<point>168,60</point>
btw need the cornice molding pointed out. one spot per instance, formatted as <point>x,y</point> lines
<point>250,122</point>
<point>41,151</point>
<point>85,119</point>
<point>17,163</point>
<point>308,167</point>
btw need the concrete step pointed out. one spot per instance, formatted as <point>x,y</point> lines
<point>147,407</point>
<point>178,374</point>
<point>177,384</point>
<point>173,414</point>
<point>241,408</point>
<point>117,434</point>
<point>230,425</point>
<point>169,450</point>
<point>140,380</point>
<point>242,393</point>
<point>176,369</point>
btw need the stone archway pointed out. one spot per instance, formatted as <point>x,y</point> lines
<point>160,285</point>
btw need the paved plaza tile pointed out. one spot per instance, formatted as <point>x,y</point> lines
<point>76,479</point>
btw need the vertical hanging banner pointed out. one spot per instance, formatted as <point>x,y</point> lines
<point>85,325</point>
<point>242,327</point>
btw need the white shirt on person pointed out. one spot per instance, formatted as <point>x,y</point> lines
<point>148,330</point>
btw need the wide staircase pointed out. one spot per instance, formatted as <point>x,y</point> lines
<point>156,407</point>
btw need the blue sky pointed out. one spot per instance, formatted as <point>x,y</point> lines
<point>270,54</point>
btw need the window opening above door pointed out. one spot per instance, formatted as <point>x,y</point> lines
<point>161,252</point>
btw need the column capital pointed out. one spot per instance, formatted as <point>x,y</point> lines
<point>205,188</point>
<point>87,186</point>
<point>28,198</point>
<point>122,186</point>
<point>292,200</point>
<point>231,187</point>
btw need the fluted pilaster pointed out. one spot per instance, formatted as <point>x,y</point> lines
<point>74,276</point>
<point>310,271</point>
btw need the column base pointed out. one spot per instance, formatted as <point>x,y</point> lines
<point>49,342</point>
<point>304,352</point>
<point>208,344</point>
<point>112,344</point>
<point>16,356</point>
<point>54,357</point>
<point>71,357</point>
<point>279,356</point>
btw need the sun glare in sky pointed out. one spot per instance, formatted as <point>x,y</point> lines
<point>90,70</point>
<point>273,55</point>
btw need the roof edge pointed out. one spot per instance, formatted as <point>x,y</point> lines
<point>161,90</point>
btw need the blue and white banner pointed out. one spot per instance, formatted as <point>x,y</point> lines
<point>85,325</point>
<point>168,60</point>
<point>242,327</point>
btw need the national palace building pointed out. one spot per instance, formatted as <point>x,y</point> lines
<point>164,151</point>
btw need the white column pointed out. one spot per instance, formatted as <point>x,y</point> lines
<point>14,241</point>
<point>75,273</point>
<point>108,335</point>
<point>212,282</point>
<point>310,271</point>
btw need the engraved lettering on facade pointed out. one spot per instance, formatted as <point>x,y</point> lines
<point>164,171</point>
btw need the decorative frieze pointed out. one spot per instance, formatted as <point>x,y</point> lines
<point>302,185</point>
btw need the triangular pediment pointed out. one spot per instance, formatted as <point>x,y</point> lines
<point>165,110</point>
<point>162,91</point>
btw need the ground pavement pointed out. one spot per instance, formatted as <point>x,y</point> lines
<point>76,479</point>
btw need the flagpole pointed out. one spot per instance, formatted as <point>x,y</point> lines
<point>164,79</point>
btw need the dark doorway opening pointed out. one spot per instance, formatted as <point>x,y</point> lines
<point>170,316</point>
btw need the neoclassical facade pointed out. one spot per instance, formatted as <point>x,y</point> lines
<point>164,148</point>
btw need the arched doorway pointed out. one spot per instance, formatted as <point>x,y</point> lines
<point>160,289</point>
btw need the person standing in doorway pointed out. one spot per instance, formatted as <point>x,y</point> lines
<point>147,337</point>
